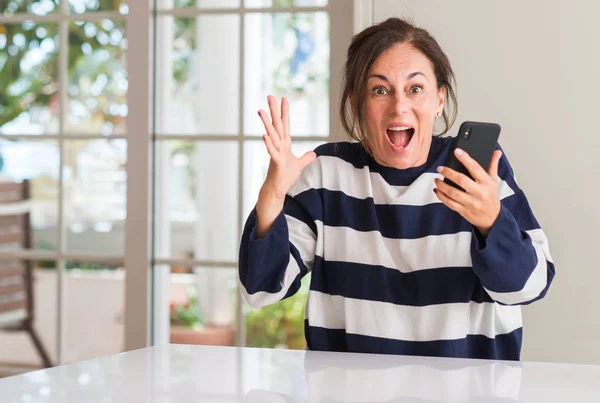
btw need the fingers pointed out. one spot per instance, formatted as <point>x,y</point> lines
<point>449,202</point>
<point>271,132</point>
<point>454,194</point>
<point>278,127</point>
<point>476,170</point>
<point>285,116</point>
<point>275,116</point>
<point>307,158</point>
<point>273,152</point>
<point>493,171</point>
<point>461,180</point>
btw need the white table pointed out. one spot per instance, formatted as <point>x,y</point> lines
<point>178,373</point>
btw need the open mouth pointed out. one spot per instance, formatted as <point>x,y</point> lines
<point>400,137</point>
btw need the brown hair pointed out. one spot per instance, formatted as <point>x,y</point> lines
<point>366,47</point>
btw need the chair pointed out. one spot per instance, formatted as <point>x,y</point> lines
<point>16,275</point>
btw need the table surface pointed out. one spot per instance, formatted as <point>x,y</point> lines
<point>182,373</point>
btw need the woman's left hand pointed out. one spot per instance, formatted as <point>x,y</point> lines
<point>479,203</point>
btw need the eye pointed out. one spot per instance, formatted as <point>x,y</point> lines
<point>416,89</point>
<point>380,91</point>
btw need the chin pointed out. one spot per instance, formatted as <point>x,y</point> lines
<point>402,162</point>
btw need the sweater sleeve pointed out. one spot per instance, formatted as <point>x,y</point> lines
<point>513,262</point>
<point>271,269</point>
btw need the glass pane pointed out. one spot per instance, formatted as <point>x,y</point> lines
<point>83,6</point>
<point>288,55</point>
<point>206,3</point>
<point>35,7</point>
<point>97,79</point>
<point>198,76</point>
<point>284,3</point>
<point>196,200</point>
<point>95,299</point>
<point>29,101</point>
<point>256,163</point>
<point>16,347</point>
<point>37,161</point>
<point>279,325</point>
<point>202,305</point>
<point>95,196</point>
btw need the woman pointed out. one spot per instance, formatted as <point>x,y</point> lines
<point>401,262</point>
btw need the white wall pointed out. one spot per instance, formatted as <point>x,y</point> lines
<point>534,67</point>
<point>94,314</point>
<point>94,305</point>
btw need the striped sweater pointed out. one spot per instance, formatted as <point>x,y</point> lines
<point>395,271</point>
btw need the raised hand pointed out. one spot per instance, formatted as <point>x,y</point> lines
<point>284,167</point>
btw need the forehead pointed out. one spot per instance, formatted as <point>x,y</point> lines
<point>401,60</point>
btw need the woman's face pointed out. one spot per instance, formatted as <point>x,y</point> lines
<point>401,106</point>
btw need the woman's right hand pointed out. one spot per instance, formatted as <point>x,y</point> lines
<point>284,168</point>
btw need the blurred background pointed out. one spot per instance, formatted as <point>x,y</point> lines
<point>65,126</point>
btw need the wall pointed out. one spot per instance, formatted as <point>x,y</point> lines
<point>93,317</point>
<point>533,67</point>
<point>94,307</point>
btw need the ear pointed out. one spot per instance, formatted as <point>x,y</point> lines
<point>441,98</point>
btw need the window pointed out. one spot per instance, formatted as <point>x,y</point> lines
<point>63,110</point>
<point>215,63</point>
<point>134,126</point>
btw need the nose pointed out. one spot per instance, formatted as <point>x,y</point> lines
<point>400,103</point>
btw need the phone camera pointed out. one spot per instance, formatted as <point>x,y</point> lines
<point>467,133</point>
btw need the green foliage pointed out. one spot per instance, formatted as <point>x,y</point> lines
<point>184,3</point>
<point>20,86</point>
<point>283,3</point>
<point>187,314</point>
<point>70,265</point>
<point>29,62</point>
<point>280,324</point>
<point>184,47</point>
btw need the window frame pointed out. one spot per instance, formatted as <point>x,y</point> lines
<point>146,295</point>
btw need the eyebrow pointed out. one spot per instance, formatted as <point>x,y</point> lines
<point>409,77</point>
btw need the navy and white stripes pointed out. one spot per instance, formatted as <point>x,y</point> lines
<point>393,269</point>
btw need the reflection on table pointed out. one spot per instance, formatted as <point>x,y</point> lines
<point>178,373</point>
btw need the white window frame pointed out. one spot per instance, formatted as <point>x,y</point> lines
<point>61,256</point>
<point>143,313</point>
<point>340,15</point>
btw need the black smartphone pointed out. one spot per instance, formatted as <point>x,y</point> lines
<point>479,140</point>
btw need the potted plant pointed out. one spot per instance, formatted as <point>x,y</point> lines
<point>188,325</point>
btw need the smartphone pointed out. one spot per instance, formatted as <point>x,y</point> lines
<point>479,140</point>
